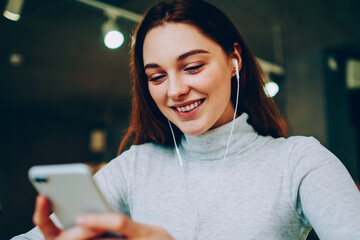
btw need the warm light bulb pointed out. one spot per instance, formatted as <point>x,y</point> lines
<point>271,89</point>
<point>113,39</point>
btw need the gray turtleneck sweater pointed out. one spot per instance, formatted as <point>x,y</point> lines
<point>269,188</point>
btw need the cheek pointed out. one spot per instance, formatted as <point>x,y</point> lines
<point>218,84</point>
<point>156,94</point>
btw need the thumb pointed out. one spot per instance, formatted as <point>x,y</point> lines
<point>115,223</point>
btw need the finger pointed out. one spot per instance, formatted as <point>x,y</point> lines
<point>42,219</point>
<point>79,233</point>
<point>113,222</point>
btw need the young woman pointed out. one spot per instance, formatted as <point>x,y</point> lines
<point>209,156</point>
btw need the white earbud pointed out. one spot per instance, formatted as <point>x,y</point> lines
<point>236,65</point>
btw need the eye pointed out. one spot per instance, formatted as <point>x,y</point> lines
<point>194,69</point>
<point>156,79</point>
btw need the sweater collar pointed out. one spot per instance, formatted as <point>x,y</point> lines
<point>211,145</point>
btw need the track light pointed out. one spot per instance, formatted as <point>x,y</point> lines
<point>271,89</point>
<point>113,38</point>
<point>13,9</point>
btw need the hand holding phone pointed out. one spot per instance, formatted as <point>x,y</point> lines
<point>71,190</point>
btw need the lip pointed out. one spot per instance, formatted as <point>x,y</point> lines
<point>187,103</point>
<point>190,113</point>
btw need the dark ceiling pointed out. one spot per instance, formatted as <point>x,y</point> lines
<point>65,62</point>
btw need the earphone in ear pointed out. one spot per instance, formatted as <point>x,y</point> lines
<point>235,62</point>
<point>236,65</point>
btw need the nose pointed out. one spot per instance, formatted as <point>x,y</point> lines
<point>177,87</point>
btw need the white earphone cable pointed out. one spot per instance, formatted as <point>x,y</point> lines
<point>219,178</point>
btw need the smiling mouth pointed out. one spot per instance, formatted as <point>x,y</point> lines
<point>189,107</point>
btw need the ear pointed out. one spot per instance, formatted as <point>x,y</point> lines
<point>237,55</point>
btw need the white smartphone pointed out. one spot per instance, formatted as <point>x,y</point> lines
<point>71,190</point>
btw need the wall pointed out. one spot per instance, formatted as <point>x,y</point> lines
<point>341,128</point>
<point>306,96</point>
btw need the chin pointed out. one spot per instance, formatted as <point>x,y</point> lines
<point>193,130</point>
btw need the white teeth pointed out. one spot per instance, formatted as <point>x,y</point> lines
<point>189,107</point>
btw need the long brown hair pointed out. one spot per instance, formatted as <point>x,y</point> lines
<point>148,124</point>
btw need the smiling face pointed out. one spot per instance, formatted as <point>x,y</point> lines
<point>189,77</point>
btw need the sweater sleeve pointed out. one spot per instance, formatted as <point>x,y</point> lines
<point>35,233</point>
<point>113,182</point>
<point>323,192</point>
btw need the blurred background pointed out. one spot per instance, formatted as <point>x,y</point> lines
<point>65,96</point>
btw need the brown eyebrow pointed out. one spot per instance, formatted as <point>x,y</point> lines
<point>180,58</point>
<point>151,65</point>
<point>190,53</point>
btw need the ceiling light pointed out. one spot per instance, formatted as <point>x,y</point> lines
<point>13,9</point>
<point>271,89</point>
<point>16,59</point>
<point>113,38</point>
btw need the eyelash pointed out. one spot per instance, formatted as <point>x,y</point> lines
<point>193,69</point>
<point>155,79</point>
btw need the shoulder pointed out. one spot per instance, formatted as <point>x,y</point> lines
<point>116,178</point>
<point>297,145</point>
<point>307,155</point>
<point>149,147</point>
<point>310,151</point>
<point>144,151</point>
<point>301,153</point>
<point>300,143</point>
<point>296,142</point>
<point>291,146</point>
<point>138,155</point>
